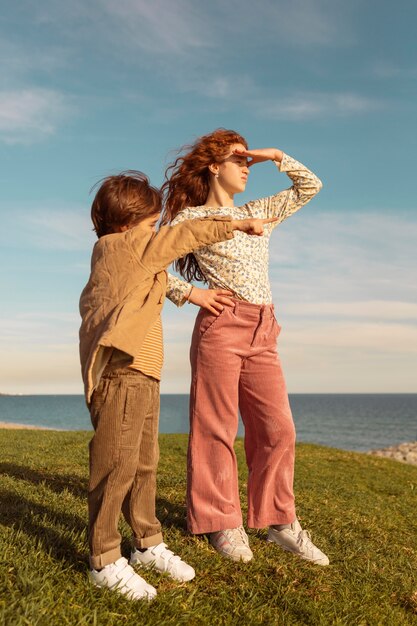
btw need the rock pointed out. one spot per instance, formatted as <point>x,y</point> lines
<point>403,452</point>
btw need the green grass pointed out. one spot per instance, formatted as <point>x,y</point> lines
<point>360,509</point>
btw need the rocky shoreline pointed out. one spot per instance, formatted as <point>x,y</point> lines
<point>403,452</point>
<point>14,426</point>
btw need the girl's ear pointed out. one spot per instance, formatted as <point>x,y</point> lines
<point>214,168</point>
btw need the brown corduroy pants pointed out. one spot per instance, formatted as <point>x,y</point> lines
<point>124,457</point>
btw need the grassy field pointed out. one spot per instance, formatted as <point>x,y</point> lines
<point>360,509</point>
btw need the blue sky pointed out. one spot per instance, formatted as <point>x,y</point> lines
<point>88,89</point>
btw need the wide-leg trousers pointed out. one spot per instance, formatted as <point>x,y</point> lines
<point>235,365</point>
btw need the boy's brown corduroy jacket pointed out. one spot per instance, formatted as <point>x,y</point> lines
<point>127,285</point>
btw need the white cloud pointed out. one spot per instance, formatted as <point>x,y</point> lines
<point>349,356</point>
<point>30,330</point>
<point>20,61</point>
<point>388,69</point>
<point>380,338</point>
<point>50,316</point>
<point>163,27</point>
<point>31,114</point>
<point>220,87</point>
<point>41,371</point>
<point>160,27</point>
<point>193,43</point>
<point>61,228</point>
<point>192,46</point>
<point>355,256</point>
<point>372,309</point>
<point>40,353</point>
<point>307,106</point>
<point>305,22</point>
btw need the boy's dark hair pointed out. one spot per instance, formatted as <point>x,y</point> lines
<point>123,200</point>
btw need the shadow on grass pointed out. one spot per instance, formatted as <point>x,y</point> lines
<point>51,530</point>
<point>409,603</point>
<point>57,483</point>
<point>21,513</point>
<point>171,515</point>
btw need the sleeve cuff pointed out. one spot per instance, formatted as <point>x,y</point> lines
<point>283,164</point>
<point>177,290</point>
<point>229,229</point>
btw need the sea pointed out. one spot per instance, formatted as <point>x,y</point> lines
<point>356,422</point>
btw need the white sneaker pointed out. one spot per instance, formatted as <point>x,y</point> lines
<point>233,543</point>
<point>298,541</point>
<point>120,577</point>
<point>163,560</point>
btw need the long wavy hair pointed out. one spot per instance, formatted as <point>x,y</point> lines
<point>187,183</point>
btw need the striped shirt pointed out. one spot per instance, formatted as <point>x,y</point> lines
<point>150,359</point>
<point>151,356</point>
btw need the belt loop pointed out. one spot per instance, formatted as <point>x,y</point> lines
<point>236,308</point>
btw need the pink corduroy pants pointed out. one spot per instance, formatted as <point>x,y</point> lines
<point>235,365</point>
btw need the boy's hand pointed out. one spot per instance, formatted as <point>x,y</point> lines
<point>253,226</point>
<point>214,300</point>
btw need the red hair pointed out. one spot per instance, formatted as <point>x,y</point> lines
<point>187,183</point>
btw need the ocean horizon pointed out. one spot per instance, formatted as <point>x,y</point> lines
<point>357,421</point>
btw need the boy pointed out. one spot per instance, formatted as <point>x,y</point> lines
<point>121,358</point>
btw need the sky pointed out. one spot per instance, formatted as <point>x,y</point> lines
<point>91,88</point>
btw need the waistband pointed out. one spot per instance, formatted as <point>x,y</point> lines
<point>253,310</point>
<point>116,370</point>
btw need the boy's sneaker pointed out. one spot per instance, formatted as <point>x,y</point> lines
<point>298,541</point>
<point>163,560</point>
<point>233,543</point>
<point>120,577</point>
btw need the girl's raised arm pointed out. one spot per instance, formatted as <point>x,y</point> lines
<point>283,204</point>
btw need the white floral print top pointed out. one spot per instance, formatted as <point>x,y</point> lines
<point>241,264</point>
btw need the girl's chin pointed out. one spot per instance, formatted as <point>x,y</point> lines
<point>234,190</point>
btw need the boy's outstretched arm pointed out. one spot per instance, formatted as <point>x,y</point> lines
<point>173,242</point>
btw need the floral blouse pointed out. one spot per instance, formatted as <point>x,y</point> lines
<point>241,264</point>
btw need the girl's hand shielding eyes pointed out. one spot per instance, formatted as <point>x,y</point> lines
<point>260,155</point>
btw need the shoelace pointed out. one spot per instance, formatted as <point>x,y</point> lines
<point>304,540</point>
<point>234,534</point>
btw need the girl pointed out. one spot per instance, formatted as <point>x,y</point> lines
<point>234,359</point>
